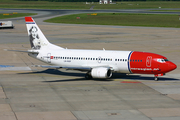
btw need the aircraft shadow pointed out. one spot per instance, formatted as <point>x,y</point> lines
<point>114,77</point>
<point>141,77</point>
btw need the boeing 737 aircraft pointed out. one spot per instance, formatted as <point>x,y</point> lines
<point>97,63</point>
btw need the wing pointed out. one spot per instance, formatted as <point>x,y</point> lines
<point>85,68</point>
<point>68,68</point>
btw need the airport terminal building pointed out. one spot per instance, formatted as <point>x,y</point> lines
<point>105,1</point>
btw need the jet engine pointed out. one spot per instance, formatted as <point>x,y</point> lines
<point>101,72</point>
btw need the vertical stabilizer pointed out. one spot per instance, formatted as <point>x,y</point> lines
<point>36,37</point>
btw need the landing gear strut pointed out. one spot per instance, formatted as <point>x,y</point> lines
<point>156,78</point>
<point>88,76</point>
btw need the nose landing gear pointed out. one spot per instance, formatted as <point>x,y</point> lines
<point>156,76</point>
<point>156,79</point>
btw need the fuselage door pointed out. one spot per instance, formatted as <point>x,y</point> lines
<point>99,59</point>
<point>49,57</point>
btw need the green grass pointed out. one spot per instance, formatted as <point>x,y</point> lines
<point>140,5</point>
<point>150,20</point>
<point>11,15</point>
<point>82,5</point>
<point>166,10</point>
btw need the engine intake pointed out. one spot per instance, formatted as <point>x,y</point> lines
<point>101,72</point>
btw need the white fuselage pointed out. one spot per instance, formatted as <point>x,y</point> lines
<point>87,58</point>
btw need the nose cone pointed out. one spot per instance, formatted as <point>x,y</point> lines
<point>172,66</point>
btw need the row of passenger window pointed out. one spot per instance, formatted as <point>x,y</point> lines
<point>136,60</point>
<point>100,59</point>
<point>83,58</point>
<point>123,60</point>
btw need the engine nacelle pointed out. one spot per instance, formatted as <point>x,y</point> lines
<point>101,72</point>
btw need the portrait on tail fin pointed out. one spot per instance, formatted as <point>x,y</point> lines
<point>34,38</point>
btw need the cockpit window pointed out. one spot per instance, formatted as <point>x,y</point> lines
<point>166,60</point>
<point>162,60</point>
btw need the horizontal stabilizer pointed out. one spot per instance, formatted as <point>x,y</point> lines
<point>29,51</point>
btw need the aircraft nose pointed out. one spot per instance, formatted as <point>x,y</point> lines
<point>172,66</point>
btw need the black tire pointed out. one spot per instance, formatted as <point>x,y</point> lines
<point>156,79</point>
<point>88,77</point>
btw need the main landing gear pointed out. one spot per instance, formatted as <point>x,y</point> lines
<point>88,76</point>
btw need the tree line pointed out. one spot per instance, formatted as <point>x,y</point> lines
<point>93,0</point>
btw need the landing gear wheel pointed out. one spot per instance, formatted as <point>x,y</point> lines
<point>156,78</point>
<point>88,77</point>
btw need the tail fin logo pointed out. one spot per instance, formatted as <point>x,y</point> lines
<point>148,61</point>
<point>37,39</point>
<point>34,38</point>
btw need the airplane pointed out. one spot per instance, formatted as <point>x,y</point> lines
<point>97,63</point>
